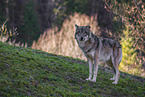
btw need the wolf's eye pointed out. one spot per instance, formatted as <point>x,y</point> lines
<point>79,34</point>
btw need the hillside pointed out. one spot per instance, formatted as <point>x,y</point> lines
<point>28,72</point>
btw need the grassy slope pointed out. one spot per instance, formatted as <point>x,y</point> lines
<point>27,72</point>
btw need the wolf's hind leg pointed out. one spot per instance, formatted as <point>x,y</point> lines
<point>117,77</point>
<point>109,63</point>
<point>117,57</point>
<point>117,72</point>
<point>113,77</point>
<point>117,60</point>
<point>114,66</point>
<point>90,61</point>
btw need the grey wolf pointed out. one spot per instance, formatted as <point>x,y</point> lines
<point>98,49</point>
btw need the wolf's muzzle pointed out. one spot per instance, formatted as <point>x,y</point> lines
<point>81,39</point>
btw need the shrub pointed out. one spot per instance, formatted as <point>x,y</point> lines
<point>5,34</point>
<point>129,62</point>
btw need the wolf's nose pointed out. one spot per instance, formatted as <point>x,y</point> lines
<point>81,39</point>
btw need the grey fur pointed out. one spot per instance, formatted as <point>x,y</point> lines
<point>98,49</point>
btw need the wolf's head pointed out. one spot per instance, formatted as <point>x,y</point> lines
<point>83,33</point>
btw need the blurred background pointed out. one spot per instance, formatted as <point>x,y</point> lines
<point>48,25</point>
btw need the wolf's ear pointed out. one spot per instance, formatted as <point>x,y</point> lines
<point>88,27</point>
<point>76,26</point>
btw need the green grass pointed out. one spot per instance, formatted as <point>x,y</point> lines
<point>28,72</point>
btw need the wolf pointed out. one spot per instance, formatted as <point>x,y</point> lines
<point>98,49</point>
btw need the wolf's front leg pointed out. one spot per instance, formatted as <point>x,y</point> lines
<point>96,63</point>
<point>90,61</point>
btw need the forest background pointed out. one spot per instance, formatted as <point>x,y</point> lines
<point>48,25</point>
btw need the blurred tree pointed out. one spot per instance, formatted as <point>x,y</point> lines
<point>2,11</point>
<point>22,14</point>
<point>132,14</point>
<point>129,61</point>
<point>29,30</point>
<point>46,14</point>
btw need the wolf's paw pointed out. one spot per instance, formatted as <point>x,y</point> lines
<point>112,79</point>
<point>88,79</point>
<point>93,80</point>
<point>114,82</point>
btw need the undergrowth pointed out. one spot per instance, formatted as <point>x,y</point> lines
<point>28,72</point>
